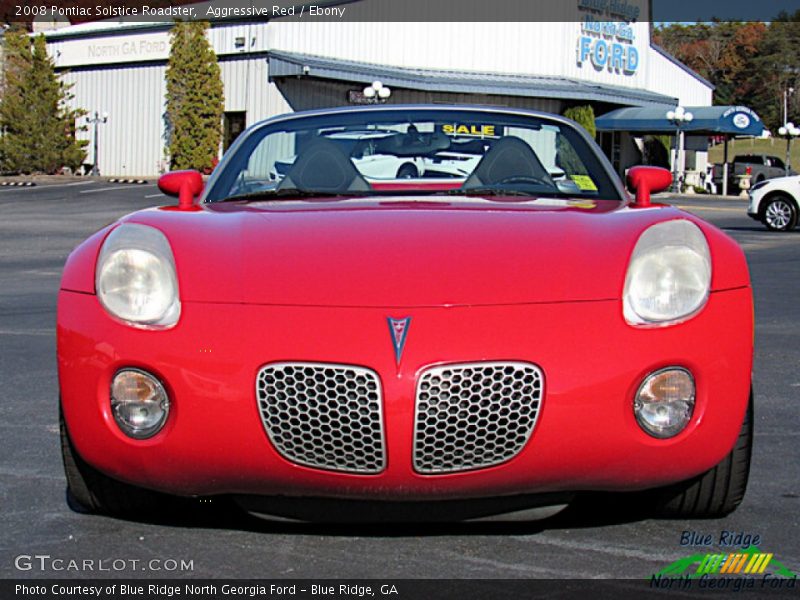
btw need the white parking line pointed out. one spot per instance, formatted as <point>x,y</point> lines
<point>28,332</point>
<point>44,272</point>
<point>155,195</point>
<point>46,186</point>
<point>19,188</point>
<point>105,189</point>
<point>70,184</point>
<point>714,208</point>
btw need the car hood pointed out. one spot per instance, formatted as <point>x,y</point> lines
<point>402,253</point>
<point>781,182</point>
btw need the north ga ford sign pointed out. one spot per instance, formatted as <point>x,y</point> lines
<point>151,46</point>
<point>138,49</point>
<point>608,46</point>
<point>607,36</point>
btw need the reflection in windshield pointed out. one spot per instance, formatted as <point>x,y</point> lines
<point>414,152</point>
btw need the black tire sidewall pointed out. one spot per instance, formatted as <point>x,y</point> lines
<point>409,168</point>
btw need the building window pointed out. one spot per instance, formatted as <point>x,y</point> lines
<point>234,123</point>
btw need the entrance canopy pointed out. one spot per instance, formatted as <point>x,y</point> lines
<point>724,120</point>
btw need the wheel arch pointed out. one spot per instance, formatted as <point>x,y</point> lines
<point>762,205</point>
<point>408,164</point>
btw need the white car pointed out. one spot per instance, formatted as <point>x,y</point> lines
<point>382,154</point>
<point>776,202</point>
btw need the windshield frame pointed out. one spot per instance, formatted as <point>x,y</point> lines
<point>255,133</point>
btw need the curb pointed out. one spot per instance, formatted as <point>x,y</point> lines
<point>137,181</point>
<point>18,183</point>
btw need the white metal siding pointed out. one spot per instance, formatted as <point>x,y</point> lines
<point>247,89</point>
<point>130,143</point>
<point>665,77</point>
<point>223,39</point>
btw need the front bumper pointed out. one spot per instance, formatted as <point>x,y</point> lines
<point>752,206</point>
<point>586,437</point>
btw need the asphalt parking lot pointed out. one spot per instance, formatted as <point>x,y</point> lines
<point>38,228</point>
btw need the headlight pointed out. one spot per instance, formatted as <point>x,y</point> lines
<point>669,276</point>
<point>135,277</point>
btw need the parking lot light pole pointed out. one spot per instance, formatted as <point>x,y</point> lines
<point>788,131</point>
<point>96,120</point>
<point>786,94</point>
<point>678,117</point>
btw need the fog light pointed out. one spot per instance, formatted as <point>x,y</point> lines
<point>665,402</point>
<point>139,403</point>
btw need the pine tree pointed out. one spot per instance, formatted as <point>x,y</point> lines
<point>584,116</point>
<point>194,98</point>
<point>18,58</point>
<point>567,158</point>
<point>38,125</point>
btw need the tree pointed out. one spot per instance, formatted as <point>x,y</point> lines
<point>777,69</point>
<point>195,99</point>
<point>583,116</point>
<point>749,63</point>
<point>38,124</point>
<point>567,158</point>
<point>721,52</point>
<point>18,59</point>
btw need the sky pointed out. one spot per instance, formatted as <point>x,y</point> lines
<point>691,11</point>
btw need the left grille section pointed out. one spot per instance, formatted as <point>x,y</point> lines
<point>323,415</point>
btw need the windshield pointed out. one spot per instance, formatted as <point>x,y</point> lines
<point>413,152</point>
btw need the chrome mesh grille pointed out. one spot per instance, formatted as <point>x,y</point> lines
<point>471,416</point>
<point>323,415</point>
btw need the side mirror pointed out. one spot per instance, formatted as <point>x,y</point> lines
<point>646,180</point>
<point>185,185</point>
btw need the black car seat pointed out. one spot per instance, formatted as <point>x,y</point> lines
<point>509,157</point>
<point>323,167</point>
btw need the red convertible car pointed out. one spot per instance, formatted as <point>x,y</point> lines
<point>500,340</point>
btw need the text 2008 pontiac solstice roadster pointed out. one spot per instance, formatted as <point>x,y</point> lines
<point>301,326</point>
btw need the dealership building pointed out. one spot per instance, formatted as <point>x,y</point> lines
<point>270,67</point>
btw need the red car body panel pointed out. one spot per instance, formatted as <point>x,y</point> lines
<point>483,280</point>
<point>380,253</point>
<point>400,186</point>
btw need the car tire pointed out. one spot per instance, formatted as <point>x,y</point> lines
<point>407,171</point>
<point>91,492</point>
<point>780,213</point>
<point>718,491</point>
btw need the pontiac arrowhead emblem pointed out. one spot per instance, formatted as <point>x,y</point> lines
<point>398,328</point>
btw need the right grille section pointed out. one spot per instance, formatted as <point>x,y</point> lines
<point>471,416</point>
